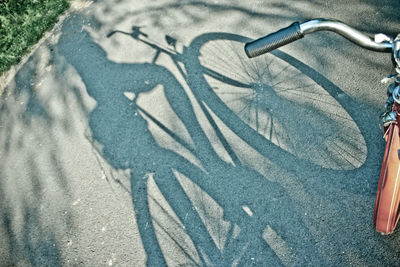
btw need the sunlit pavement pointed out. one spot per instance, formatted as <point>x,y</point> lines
<point>139,133</point>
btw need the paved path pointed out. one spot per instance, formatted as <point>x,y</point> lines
<point>138,133</point>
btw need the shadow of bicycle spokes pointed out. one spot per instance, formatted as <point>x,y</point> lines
<point>284,105</point>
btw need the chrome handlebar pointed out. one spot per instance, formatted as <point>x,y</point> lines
<point>348,32</point>
<point>296,31</point>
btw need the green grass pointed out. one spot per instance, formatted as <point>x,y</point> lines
<point>22,24</point>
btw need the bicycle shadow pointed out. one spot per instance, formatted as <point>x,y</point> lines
<point>121,127</point>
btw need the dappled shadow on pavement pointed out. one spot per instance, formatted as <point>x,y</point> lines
<point>34,191</point>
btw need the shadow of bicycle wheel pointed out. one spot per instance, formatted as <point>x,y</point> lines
<point>286,111</point>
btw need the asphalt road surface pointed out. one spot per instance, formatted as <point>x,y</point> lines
<point>138,133</point>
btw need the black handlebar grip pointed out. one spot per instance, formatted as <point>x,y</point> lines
<point>274,40</point>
